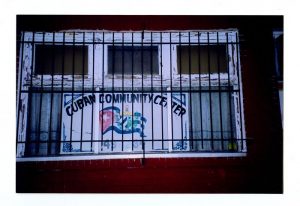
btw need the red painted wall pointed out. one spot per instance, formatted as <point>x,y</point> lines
<point>260,172</point>
<point>183,175</point>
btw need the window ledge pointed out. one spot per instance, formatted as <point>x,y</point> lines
<point>132,156</point>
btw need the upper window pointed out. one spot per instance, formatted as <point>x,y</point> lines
<point>201,59</point>
<point>61,59</point>
<point>132,60</point>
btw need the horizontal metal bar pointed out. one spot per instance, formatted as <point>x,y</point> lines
<point>149,140</point>
<point>129,43</point>
<point>131,91</point>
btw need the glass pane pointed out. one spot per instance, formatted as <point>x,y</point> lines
<point>59,59</point>
<point>201,58</point>
<point>210,115</point>
<point>146,65</point>
<point>41,127</point>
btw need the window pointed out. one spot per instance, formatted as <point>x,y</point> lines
<point>201,59</point>
<point>58,59</point>
<point>132,60</point>
<point>212,117</point>
<point>44,135</point>
<point>134,93</point>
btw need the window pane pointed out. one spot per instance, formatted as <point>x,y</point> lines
<point>118,65</point>
<point>204,113</point>
<point>41,127</point>
<point>195,59</point>
<point>59,59</point>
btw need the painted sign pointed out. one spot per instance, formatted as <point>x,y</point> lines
<point>124,122</point>
<point>77,124</point>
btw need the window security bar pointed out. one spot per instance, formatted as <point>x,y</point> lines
<point>129,92</point>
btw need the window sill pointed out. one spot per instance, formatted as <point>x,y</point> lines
<point>133,156</point>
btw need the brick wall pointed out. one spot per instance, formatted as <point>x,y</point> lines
<point>184,175</point>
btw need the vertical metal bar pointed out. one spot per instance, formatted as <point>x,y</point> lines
<point>93,93</point>
<point>20,88</point>
<point>209,88</point>
<point>96,110</point>
<point>200,90</point>
<point>62,85</point>
<point>239,89</point>
<point>190,93</point>
<point>51,98</point>
<point>169,127</point>
<point>113,88</point>
<point>122,90</point>
<point>180,86</point>
<point>142,61</point>
<point>229,94</point>
<point>171,90</point>
<point>82,88</point>
<point>161,89</point>
<point>37,143</point>
<point>73,68</point>
<point>103,83</point>
<point>151,66</point>
<point>220,99</point>
<point>132,68</point>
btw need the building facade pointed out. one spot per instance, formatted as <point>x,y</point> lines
<point>141,104</point>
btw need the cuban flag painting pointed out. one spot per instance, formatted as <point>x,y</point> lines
<point>110,119</point>
<point>125,126</point>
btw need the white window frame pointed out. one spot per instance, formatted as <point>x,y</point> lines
<point>127,41</point>
<point>222,39</point>
<point>71,39</point>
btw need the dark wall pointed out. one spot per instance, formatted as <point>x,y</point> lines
<point>260,172</point>
<point>146,22</point>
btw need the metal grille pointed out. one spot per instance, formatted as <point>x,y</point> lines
<point>129,92</point>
